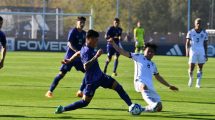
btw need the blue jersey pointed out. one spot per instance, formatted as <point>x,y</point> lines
<point>2,39</point>
<point>93,73</point>
<point>77,39</point>
<point>114,32</point>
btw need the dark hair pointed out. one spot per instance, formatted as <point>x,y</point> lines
<point>81,18</point>
<point>92,34</point>
<point>116,19</point>
<point>1,19</point>
<point>150,45</point>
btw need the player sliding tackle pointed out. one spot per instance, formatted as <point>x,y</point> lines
<point>94,77</point>
<point>145,71</point>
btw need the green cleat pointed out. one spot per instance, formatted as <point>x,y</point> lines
<point>59,110</point>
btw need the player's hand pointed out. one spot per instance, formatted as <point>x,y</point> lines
<point>65,61</point>
<point>110,40</point>
<point>1,64</point>
<point>99,53</point>
<point>173,88</point>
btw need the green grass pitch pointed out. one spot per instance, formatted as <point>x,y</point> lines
<point>27,75</point>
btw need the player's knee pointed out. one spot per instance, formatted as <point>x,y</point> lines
<point>117,87</point>
<point>62,73</point>
<point>85,103</point>
<point>87,98</point>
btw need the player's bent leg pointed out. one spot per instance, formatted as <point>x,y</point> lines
<point>190,73</point>
<point>115,65</point>
<point>107,62</point>
<point>54,84</point>
<point>80,91</point>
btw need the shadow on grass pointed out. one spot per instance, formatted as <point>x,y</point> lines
<point>28,106</point>
<point>61,117</point>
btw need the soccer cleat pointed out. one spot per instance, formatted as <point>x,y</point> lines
<point>59,110</point>
<point>114,74</point>
<point>79,94</point>
<point>198,86</point>
<point>49,94</point>
<point>190,83</point>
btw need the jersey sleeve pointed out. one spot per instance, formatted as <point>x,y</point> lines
<point>155,70</point>
<point>134,56</point>
<point>120,33</point>
<point>108,33</point>
<point>71,36</point>
<point>188,35</point>
<point>3,39</point>
<point>206,36</point>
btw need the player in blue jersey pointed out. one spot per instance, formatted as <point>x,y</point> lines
<point>76,40</point>
<point>3,44</point>
<point>94,77</point>
<point>114,32</point>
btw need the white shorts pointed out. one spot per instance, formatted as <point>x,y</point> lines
<point>150,92</point>
<point>197,57</point>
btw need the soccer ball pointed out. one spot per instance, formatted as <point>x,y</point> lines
<point>135,109</point>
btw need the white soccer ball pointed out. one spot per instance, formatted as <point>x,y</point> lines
<point>135,109</point>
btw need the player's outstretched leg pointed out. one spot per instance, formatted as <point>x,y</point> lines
<point>119,89</point>
<point>54,84</point>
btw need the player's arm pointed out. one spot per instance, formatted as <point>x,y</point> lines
<point>120,50</point>
<point>206,49</point>
<point>71,59</point>
<point>71,46</point>
<point>164,82</point>
<point>187,46</point>
<point>135,35</point>
<point>89,63</point>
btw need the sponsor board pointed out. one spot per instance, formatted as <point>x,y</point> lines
<point>34,45</point>
<point>10,44</point>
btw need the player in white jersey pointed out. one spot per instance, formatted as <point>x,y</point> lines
<point>145,71</point>
<point>196,50</point>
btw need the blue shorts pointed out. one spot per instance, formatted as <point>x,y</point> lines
<point>105,82</point>
<point>111,51</point>
<point>77,64</point>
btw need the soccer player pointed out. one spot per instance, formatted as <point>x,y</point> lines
<point>146,69</point>
<point>139,38</point>
<point>76,40</point>
<point>115,33</point>
<point>3,45</point>
<point>94,77</point>
<point>196,50</point>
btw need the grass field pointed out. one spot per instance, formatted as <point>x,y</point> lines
<point>27,75</point>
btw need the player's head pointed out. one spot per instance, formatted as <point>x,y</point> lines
<point>149,50</point>
<point>1,22</point>
<point>116,22</point>
<point>198,23</point>
<point>81,22</point>
<point>92,38</point>
<point>138,24</point>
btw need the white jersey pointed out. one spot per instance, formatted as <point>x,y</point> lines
<point>197,39</point>
<point>145,69</point>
